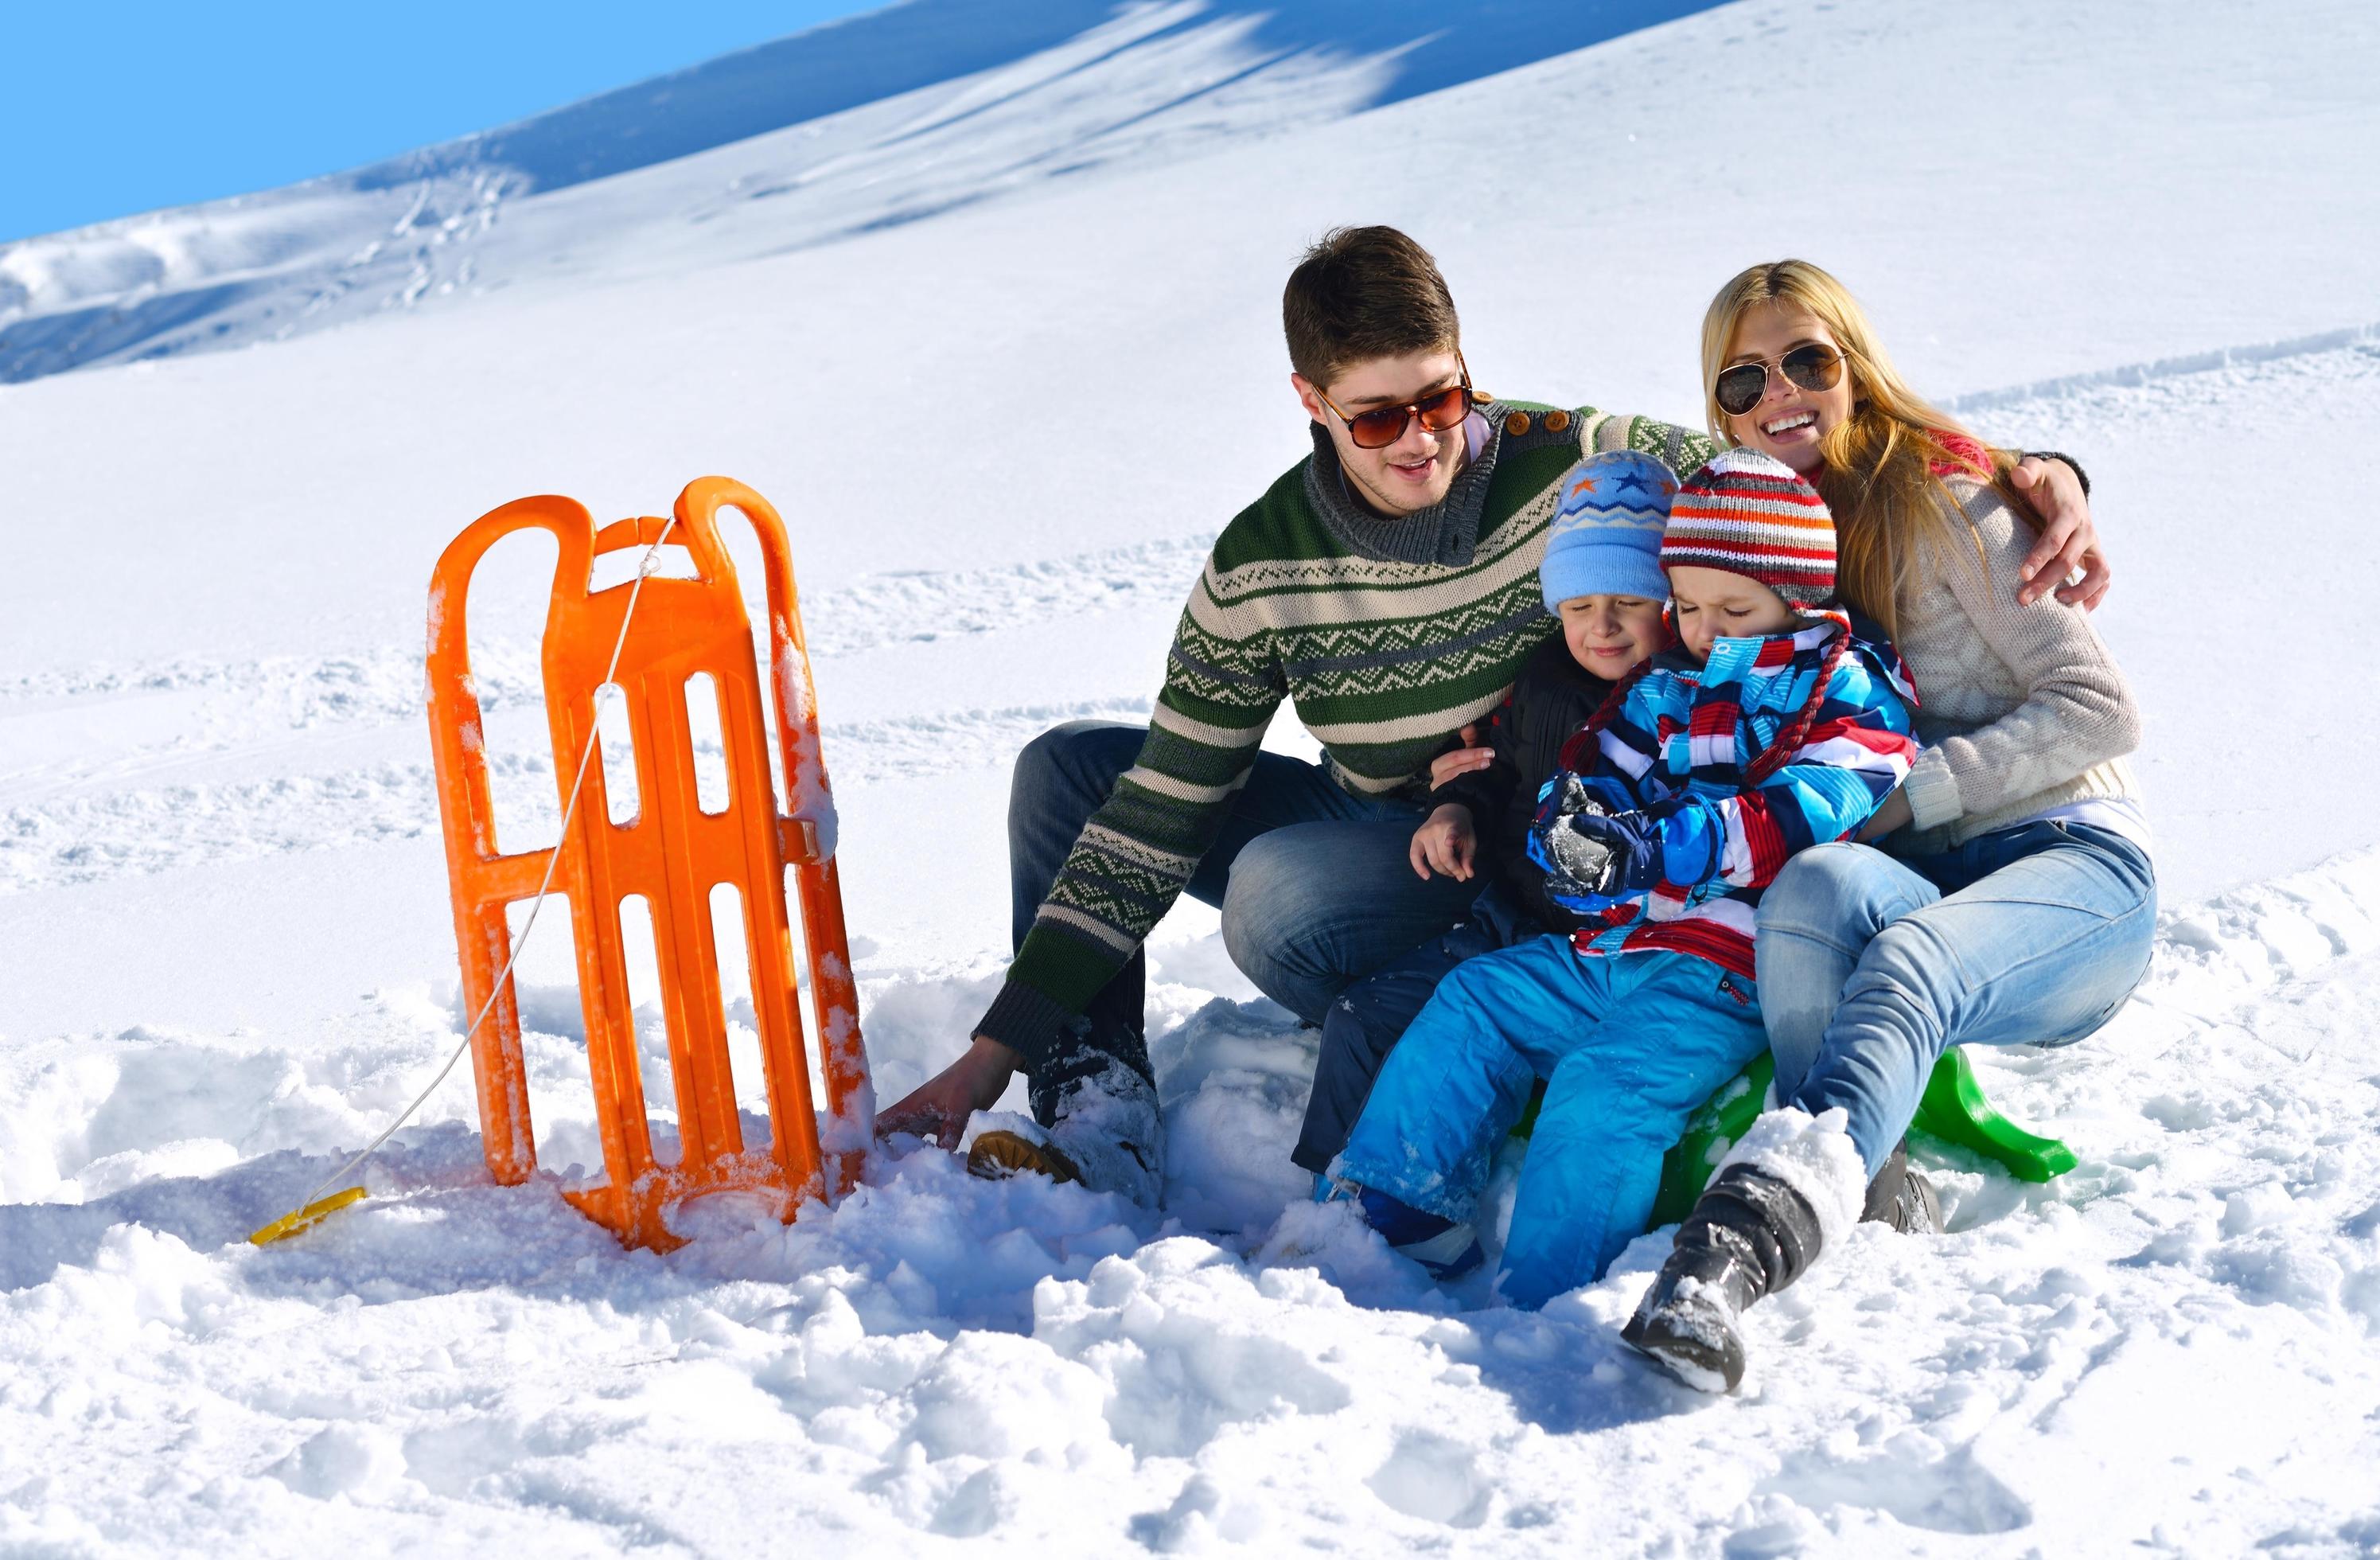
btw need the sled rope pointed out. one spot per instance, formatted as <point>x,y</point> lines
<point>313,1208</point>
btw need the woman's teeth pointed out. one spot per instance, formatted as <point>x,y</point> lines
<point>1783,424</point>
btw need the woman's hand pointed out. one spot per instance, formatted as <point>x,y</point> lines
<point>939,1107</point>
<point>1463,761</point>
<point>1893,814</point>
<point>2068,540</point>
<point>1445,842</point>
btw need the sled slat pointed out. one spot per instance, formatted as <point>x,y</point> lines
<point>671,854</point>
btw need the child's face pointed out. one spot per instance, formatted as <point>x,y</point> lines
<point>1713,604</point>
<point>1610,634</point>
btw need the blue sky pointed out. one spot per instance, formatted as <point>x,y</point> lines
<point>111,109</point>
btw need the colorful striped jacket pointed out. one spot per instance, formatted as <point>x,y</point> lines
<point>1693,748</point>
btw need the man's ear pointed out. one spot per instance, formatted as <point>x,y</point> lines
<point>1308,397</point>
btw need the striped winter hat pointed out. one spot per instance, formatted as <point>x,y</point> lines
<point>1748,514</point>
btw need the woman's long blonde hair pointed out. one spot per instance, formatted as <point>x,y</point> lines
<point>1881,462</point>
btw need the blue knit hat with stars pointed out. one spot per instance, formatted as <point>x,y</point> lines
<point>1606,537</point>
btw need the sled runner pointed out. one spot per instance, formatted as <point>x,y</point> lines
<point>672,853</point>
<point>1953,1110</point>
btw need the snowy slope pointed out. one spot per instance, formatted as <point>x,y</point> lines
<point>885,118</point>
<point>229,958</point>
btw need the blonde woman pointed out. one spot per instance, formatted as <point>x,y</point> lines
<point>2013,900</point>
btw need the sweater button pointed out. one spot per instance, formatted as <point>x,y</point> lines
<point>1555,421</point>
<point>1517,424</point>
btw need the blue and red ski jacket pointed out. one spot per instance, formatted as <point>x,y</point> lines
<point>1772,746</point>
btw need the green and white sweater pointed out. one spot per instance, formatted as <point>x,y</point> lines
<point>1389,635</point>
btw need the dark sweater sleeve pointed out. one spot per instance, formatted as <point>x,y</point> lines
<point>1139,849</point>
<point>1485,793</point>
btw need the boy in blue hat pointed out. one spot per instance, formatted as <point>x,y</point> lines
<point>1601,579</point>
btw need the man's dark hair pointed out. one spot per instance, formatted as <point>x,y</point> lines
<point>1363,293</point>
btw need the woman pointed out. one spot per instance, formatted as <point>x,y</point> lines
<point>2017,902</point>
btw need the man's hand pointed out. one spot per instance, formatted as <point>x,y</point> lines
<point>939,1107</point>
<point>2068,540</point>
<point>1463,761</point>
<point>1446,842</point>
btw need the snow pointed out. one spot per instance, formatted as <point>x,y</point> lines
<point>875,122</point>
<point>2140,236</point>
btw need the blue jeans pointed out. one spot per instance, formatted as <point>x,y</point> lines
<point>1870,965</point>
<point>1371,1016</point>
<point>1629,1045</point>
<point>1313,882</point>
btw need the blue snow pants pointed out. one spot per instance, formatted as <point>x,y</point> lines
<point>1367,1019</point>
<point>1629,1045</point>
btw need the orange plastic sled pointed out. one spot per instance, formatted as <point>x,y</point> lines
<point>673,854</point>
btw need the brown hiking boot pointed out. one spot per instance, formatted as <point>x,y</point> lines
<point>1107,1136</point>
<point>1000,1154</point>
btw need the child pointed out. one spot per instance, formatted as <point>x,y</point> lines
<point>1773,726</point>
<point>1601,579</point>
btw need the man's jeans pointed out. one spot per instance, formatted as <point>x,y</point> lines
<point>1313,881</point>
<point>1870,965</point>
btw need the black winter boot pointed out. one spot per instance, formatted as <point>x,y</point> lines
<point>1750,1234</point>
<point>1901,1196</point>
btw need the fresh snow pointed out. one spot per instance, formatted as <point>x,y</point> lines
<point>1004,409</point>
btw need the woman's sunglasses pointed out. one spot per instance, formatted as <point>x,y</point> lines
<point>1382,426</point>
<point>1812,365</point>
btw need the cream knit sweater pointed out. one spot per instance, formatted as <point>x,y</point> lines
<point>2020,708</point>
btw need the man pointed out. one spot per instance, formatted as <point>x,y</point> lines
<point>1387,585</point>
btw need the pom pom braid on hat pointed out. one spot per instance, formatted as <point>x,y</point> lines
<point>1749,514</point>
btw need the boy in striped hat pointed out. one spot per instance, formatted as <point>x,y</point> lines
<point>1775,724</point>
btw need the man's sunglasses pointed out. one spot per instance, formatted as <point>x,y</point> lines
<point>1812,365</point>
<point>1382,426</point>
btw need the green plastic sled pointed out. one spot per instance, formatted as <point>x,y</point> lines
<point>1953,1110</point>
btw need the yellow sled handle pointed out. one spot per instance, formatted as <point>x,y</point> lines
<point>305,1218</point>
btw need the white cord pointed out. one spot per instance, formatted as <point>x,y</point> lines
<point>569,810</point>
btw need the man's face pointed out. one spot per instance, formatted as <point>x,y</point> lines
<point>1413,472</point>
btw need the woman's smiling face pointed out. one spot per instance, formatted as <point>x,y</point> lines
<point>1789,421</point>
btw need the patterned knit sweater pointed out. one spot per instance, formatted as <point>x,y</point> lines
<point>1386,635</point>
<point>2024,707</point>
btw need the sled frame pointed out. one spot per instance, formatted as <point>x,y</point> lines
<point>673,854</point>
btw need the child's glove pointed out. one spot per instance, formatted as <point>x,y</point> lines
<point>1630,847</point>
<point>1577,865</point>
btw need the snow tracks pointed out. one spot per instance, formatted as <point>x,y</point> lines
<point>117,771</point>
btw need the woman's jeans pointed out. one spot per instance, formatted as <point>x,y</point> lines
<point>1871,965</point>
<point>1313,881</point>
